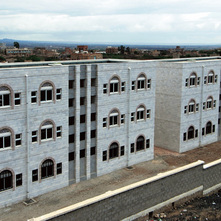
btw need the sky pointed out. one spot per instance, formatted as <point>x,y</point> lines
<point>113,21</point>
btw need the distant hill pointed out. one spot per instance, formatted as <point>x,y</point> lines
<point>56,44</point>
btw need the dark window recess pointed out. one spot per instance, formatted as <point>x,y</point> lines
<point>213,128</point>
<point>82,153</point>
<point>59,168</point>
<point>184,137</point>
<point>34,175</point>
<point>203,131</point>
<point>17,99</point>
<point>19,179</point>
<point>82,82</point>
<point>71,138</point>
<point>93,151</point>
<point>147,143</point>
<point>132,148</point>
<point>71,156</point>
<point>93,117</point>
<point>93,133</point>
<point>104,155</point>
<point>82,118</point>
<point>71,84</point>
<point>71,120</point>
<point>93,99</point>
<point>82,136</point>
<point>93,82</point>
<point>122,150</point>
<point>82,100</point>
<point>71,102</point>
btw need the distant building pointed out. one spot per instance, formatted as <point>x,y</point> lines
<point>19,51</point>
<point>111,50</point>
<point>82,48</point>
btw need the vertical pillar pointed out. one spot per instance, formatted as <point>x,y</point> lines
<point>88,121</point>
<point>127,151</point>
<point>77,124</point>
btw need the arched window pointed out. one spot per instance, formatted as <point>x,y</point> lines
<point>114,118</point>
<point>113,150</point>
<point>193,79</point>
<point>114,85</point>
<point>211,77</point>
<point>140,143</point>
<point>209,103</point>
<point>6,180</point>
<point>191,132</point>
<point>5,139</point>
<point>47,169</point>
<point>47,131</point>
<point>141,82</point>
<point>141,110</point>
<point>192,106</point>
<point>46,92</point>
<point>209,127</point>
<point>5,97</point>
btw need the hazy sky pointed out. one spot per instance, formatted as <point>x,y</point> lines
<point>109,21</point>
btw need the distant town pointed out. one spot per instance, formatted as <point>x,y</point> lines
<point>16,53</point>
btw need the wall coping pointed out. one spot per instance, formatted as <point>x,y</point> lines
<point>115,192</point>
<point>214,163</point>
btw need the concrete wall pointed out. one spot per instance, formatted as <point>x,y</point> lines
<point>141,198</point>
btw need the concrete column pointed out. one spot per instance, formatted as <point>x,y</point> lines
<point>77,124</point>
<point>128,122</point>
<point>88,121</point>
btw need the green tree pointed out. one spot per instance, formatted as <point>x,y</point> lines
<point>2,58</point>
<point>34,58</point>
<point>121,49</point>
<point>16,44</point>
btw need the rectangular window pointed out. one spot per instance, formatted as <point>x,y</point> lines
<point>149,83</point>
<point>34,136</point>
<point>93,133</point>
<point>196,133</point>
<point>104,155</point>
<point>82,136</point>
<point>93,82</point>
<point>34,97</point>
<point>122,86</point>
<point>82,101</point>
<point>82,81</point>
<point>219,109</point>
<point>17,98</point>
<point>71,138</point>
<point>58,94</point>
<point>18,139</point>
<point>133,85</point>
<point>186,82</point>
<point>184,136</point>
<point>197,107</point>
<point>59,168</point>
<point>105,122</point>
<point>71,84</point>
<point>198,81</point>
<point>104,88</point>
<point>93,116</point>
<point>214,127</point>
<point>93,151</point>
<point>205,79</point>
<point>93,99</point>
<point>82,153</point>
<point>203,132</point>
<point>204,105</point>
<point>214,103</point>
<point>71,156</point>
<point>19,179</point>
<point>132,148</point>
<point>215,78</point>
<point>148,114</point>
<point>71,121</point>
<point>219,121</point>
<point>34,175</point>
<point>147,143</point>
<point>82,118</point>
<point>185,109</point>
<point>122,119</point>
<point>71,102</point>
<point>122,150</point>
<point>59,130</point>
<point>132,117</point>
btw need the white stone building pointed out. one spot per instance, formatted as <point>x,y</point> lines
<point>187,103</point>
<point>68,122</point>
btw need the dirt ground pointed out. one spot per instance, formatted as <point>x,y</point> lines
<point>164,160</point>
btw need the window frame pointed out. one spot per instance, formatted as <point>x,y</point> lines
<point>114,85</point>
